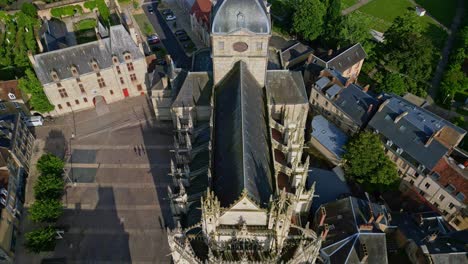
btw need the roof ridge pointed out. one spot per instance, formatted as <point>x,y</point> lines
<point>241,80</point>
<point>337,55</point>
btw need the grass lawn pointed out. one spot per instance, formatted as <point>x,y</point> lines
<point>85,24</point>
<point>383,12</point>
<point>144,24</point>
<point>442,10</point>
<point>347,3</point>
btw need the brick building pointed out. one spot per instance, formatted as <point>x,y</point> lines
<point>107,70</point>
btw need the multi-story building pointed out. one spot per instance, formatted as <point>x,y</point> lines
<point>344,103</point>
<point>103,71</point>
<point>355,231</point>
<point>200,20</point>
<point>16,144</point>
<point>240,192</point>
<point>419,143</point>
<point>347,61</point>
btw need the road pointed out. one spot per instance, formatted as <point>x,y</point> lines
<point>116,206</point>
<point>167,37</point>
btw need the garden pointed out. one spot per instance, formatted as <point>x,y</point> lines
<point>84,30</point>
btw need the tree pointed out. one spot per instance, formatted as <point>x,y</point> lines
<point>392,83</point>
<point>29,9</point>
<point>48,187</point>
<point>50,164</point>
<point>42,239</point>
<point>347,30</point>
<point>47,210</point>
<point>308,19</point>
<point>29,84</point>
<point>366,162</point>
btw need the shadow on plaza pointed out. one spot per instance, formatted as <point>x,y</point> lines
<point>56,143</point>
<point>93,235</point>
<point>150,131</point>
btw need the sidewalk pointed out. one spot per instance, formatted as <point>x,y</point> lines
<point>183,22</point>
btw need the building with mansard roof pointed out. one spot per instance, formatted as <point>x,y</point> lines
<point>240,190</point>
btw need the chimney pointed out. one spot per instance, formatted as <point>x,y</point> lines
<point>371,106</point>
<point>379,218</point>
<point>366,88</point>
<point>164,81</point>
<point>310,58</point>
<point>323,215</point>
<point>430,139</point>
<point>371,213</point>
<point>366,227</point>
<point>432,237</point>
<point>348,82</point>
<point>400,116</point>
<point>325,232</point>
<point>383,105</point>
<point>330,52</point>
<point>31,58</point>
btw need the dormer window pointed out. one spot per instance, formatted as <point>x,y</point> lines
<point>127,56</point>
<point>54,76</point>
<point>95,65</point>
<point>74,71</point>
<point>115,59</point>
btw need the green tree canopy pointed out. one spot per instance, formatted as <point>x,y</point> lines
<point>47,210</point>
<point>308,18</point>
<point>366,162</point>
<point>392,83</point>
<point>48,187</point>
<point>347,30</point>
<point>29,84</point>
<point>50,164</point>
<point>40,240</point>
<point>29,9</point>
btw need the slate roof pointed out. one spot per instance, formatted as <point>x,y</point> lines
<point>344,239</point>
<point>294,51</point>
<point>82,55</point>
<point>285,87</point>
<point>242,158</point>
<point>195,90</point>
<point>54,33</point>
<point>342,59</point>
<point>233,15</point>
<point>329,135</point>
<point>412,131</point>
<point>201,61</point>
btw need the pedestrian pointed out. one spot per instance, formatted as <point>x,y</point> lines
<point>138,149</point>
<point>143,149</point>
<point>135,150</point>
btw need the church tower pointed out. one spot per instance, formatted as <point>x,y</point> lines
<point>240,30</point>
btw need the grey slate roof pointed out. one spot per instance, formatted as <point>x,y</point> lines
<point>82,55</point>
<point>195,90</point>
<point>242,158</point>
<point>323,180</point>
<point>294,51</point>
<point>330,136</point>
<point>233,15</point>
<point>343,59</point>
<point>285,87</point>
<point>412,131</point>
<point>333,90</point>
<point>54,33</point>
<point>344,240</point>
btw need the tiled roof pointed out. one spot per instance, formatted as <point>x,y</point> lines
<point>195,90</point>
<point>294,51</point>
<point>343,58</point>
<point>451,174</point>
<point>285,87</point>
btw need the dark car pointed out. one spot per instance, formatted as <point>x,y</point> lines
<point>184,38</point>
<point>150,9</point>
<point>167,12</point>
<point>180,32</point>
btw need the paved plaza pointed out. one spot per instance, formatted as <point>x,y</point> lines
<point>116,193</point>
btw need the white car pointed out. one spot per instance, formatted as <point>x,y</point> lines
<point>32,121</point>
<point>170,17</point>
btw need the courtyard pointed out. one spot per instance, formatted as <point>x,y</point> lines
<point>115,200</point>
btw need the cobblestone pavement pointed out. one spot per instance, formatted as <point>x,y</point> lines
<point>115,201</point>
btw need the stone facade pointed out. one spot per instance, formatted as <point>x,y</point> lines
<point>225,55</point>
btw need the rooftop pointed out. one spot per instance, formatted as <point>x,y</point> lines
<point>341,59</point>
<point>450,174</point>
<point>233,15</point>
<point>329,135</point>
<point>242,158</point>
<point>195,90</point>
<point>285,87</point>
<point>9,91</point>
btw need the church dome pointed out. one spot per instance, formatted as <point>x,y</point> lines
<point>233,15</point>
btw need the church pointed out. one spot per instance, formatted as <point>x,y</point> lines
<point>240,191</point>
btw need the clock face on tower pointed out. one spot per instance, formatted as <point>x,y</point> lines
<point>240,46</point>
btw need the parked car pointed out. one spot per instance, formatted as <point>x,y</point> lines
<point>32,121</point>
<point>184,38</point>
<point>153,39</point>
<point>180,32</point>
<point>150,9</point>
<point>167,12</point>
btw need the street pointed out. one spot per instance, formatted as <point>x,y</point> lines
<point>116,207</point>
<point>167,37</point>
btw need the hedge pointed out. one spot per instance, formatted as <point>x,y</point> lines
<point>66,11</point>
